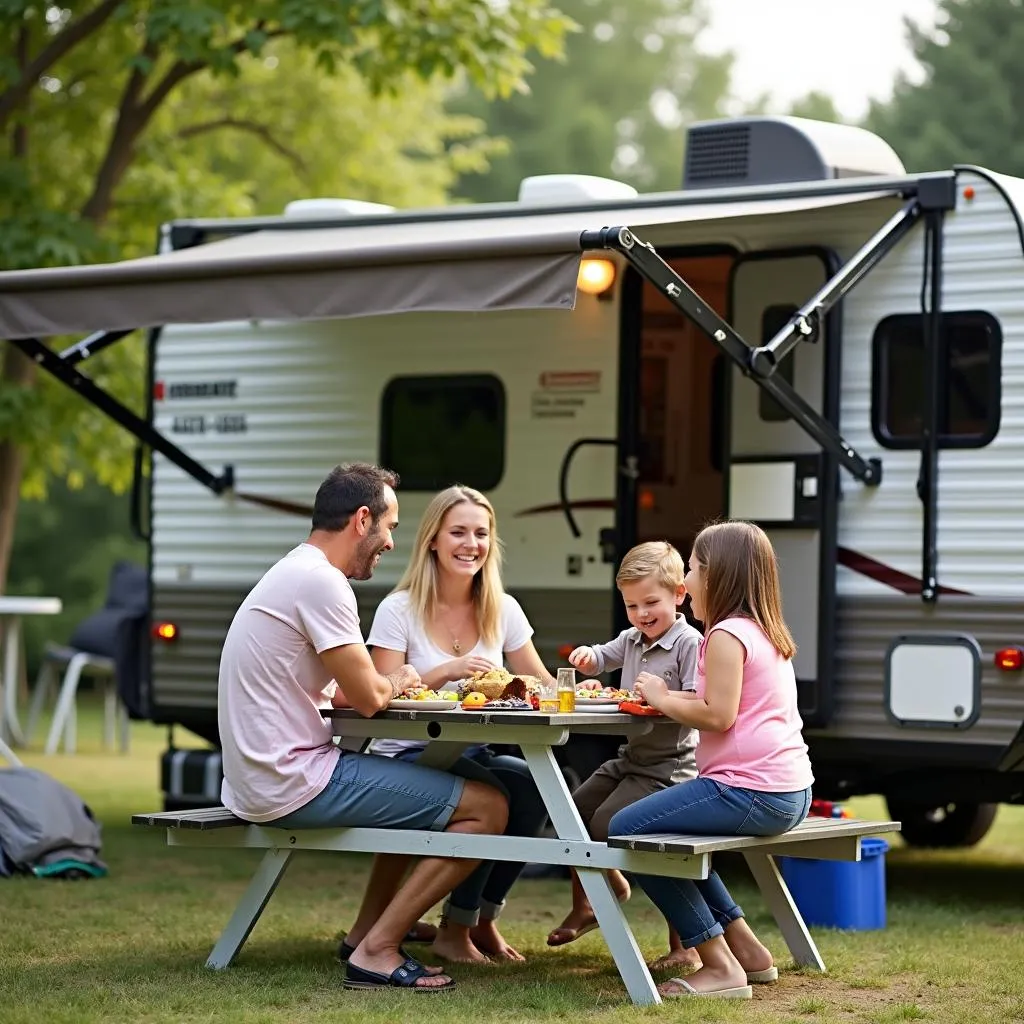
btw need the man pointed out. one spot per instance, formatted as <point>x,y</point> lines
<point>294,637</point>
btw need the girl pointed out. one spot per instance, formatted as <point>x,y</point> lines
<point>449,617</point>
<point>754,773</point>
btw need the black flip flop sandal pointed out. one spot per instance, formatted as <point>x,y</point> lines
<point>404,977</point>
<point>345,950</point>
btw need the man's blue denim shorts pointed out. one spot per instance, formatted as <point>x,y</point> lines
<point>370,791</point>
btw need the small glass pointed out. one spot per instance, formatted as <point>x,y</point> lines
<point>566,690</point>
<point>548,697</point>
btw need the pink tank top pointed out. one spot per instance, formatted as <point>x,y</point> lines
<point>764,749</point>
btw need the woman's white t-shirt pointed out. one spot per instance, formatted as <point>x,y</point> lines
<point>396,628</point>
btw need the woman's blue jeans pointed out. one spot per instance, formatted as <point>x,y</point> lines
<point>483,892</point>
<point>700,910</point>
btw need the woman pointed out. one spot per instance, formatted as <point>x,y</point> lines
<point>449,617</point>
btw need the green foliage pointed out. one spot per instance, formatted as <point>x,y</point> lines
<point>631,79</point>
<point>817,106</point>
<point>969,107</point>
<point>117,115</point>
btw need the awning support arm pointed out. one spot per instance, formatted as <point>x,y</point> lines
<point>66,372</point>
<point>806,323</point>
<point>652,267</point>
<point>90,346</point>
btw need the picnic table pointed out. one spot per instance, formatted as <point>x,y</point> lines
<point>12,609</point>
<point>537,734</point>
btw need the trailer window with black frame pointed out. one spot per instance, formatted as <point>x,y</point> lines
<point>439,430</point>
<point>970,392</point>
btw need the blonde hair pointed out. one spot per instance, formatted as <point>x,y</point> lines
<point>741,578</point>
<point>655,558</point>
<point>420,576</point>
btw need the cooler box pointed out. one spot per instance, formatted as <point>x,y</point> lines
<point>840,894</point>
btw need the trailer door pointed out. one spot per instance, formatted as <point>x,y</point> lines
<point>777,476</point>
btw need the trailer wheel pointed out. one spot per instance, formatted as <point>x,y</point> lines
<point>942,825</point>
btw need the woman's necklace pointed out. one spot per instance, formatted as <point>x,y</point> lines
<point>456,642</point>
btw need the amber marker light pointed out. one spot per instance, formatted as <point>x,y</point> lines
<point>596,276</point>
<point>165,631</point>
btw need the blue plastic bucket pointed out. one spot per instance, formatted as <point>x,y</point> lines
<point>840,894</point>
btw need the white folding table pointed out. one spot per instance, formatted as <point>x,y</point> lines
<point>12,610</point>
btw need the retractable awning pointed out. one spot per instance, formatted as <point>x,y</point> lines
<point>458,263</point>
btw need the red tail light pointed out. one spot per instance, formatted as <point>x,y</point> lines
<point>1010,659</point>
<point>165,631</point>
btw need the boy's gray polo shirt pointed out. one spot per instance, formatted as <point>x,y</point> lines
<point>668,747</point>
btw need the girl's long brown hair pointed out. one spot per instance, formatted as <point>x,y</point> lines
<point>741,577</point>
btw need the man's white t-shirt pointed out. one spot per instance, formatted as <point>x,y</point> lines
<point>277,749</point>
<point>396,628</point>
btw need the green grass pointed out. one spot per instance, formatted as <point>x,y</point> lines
<point>131,947</point>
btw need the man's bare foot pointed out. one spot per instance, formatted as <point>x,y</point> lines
<point>486,937</point>
<point>681,960</point>
<point>453,944</point>
<point>387,961</point>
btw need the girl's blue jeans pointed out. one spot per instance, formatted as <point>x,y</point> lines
<point>701,910</point>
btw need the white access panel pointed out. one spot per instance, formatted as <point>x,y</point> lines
<point>934,680</point>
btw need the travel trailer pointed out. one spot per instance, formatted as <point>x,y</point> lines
<point>805,335</point>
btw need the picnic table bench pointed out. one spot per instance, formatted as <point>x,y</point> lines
<point>536,734</point>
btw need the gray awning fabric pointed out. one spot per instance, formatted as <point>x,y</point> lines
<point>459,264</point>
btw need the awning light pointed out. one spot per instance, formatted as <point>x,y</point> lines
<point>596,276</point>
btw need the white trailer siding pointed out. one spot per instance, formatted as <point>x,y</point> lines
<point>981,493</point>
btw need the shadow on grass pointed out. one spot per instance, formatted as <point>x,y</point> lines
<point>279,972</point>
<point>940,877</point>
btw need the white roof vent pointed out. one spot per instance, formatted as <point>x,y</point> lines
<point>572,188</point>
<point>334,208</point>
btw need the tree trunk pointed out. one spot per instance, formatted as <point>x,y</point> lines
<point>18,371</point>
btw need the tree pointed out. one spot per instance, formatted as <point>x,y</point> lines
<point>631,79</point>
<point>94,105</point>
<point>969,108</point>
<point>817,106</point>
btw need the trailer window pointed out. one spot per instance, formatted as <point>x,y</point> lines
<point>969,380</point>
<point>437,431</point>
<point>773,319</point>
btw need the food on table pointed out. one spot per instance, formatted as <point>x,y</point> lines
<point>591,689</point>
<point>499,683</point>
<point>417,691</point>
<point>474,699</point>
<point>509,704</point>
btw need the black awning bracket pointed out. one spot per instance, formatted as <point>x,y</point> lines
<point>90,346</point>
<point>62,367</point>
<point>806,322</point>
<point>760,363</point>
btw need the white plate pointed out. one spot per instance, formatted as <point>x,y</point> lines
<point>598,707</point>
<point>423,705</point>
<point>595,702</point>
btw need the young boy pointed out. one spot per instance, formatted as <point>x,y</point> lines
<point>662,642</point>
